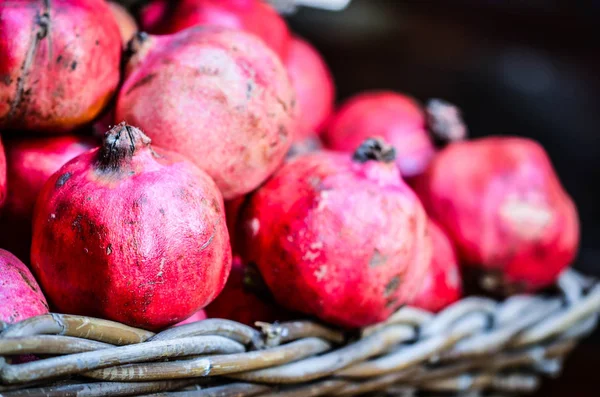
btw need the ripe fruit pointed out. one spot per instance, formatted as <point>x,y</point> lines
<point>127,25</point>
<point>59,63</point>
<point>20,294</point>
<point>400,120</point>
<point>253,16</point>
<point>244,299</point>
<point>442,285</point>
<point>339,237</point>
<point>219,97</point>
<point>313,82</point>
<point>503,206</point>
<point>131,233</point>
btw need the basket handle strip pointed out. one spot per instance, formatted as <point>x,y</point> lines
<point>214,365</point>
<point>78,326</point>
<point>112,389</point>
<point>49,344</point>
<point>322,366</point>
<point>83,362</point>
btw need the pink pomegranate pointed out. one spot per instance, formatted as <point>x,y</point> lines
<point>30,162</point>
<point>244,299</point>
<point>20,294</point>
<point>219,97</point>
<point>339,237</point>
<point>314,87</point>
<point>401,121</point>
<point>442,285</point>
<point>505,209</point>
<point>2,174</point>
<point>198,316</point>
<point>127,25</point>
<point>131,233</point>
<point>59,63</point>
<point>253,16</point>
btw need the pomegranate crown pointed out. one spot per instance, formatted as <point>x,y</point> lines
<point>444,121</point>
<point>375,149</point>
<point>119,145</point>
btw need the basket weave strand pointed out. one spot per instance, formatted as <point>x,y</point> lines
<point>472,346</point>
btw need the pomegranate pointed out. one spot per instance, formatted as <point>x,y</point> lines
<point>314,87</point>
<point>245,299</point>
<point>400,120</point>
<point>253,16</point>
<point>127,25</point>
<point>131,233</point>
<point>442,285</point>
<point>2,174</point>
<point>220,97</point>
<point>339,237</point>
<point>49,52</point>
<point>30,162</point>
<point>20,294</point>
<point>505,209</point>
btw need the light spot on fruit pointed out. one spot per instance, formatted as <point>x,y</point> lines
<point>453,278</point>
<point>528,219</point>
<point>108,249</point>
<point>311,255</point>
<point>290,238</point>
<point>86,250</point>
<point>317,245</point>
<point>322,200</point>
<point>254,226</point>
<point>52,216</point>
<point>161,268</point>
<point>313,252</point>
<point>320,274</point>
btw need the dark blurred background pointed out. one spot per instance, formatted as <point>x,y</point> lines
<point>528,68</point>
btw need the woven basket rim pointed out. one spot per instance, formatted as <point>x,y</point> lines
<point>475,344</point>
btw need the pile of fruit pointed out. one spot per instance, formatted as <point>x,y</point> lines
<point>227,184</point>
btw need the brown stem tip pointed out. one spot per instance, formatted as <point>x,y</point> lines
<point>375,149</point>
<point>444,121</point>
<point>119,146</point>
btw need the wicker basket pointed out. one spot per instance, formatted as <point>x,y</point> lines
<point>476,345</point>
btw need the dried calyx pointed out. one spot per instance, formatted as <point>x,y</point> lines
<point>375,149</point>
<point>120,144</point>
<point>444,121</point>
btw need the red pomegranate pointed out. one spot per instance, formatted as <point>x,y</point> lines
<point>2,174</point>
<point>442,285</point>
<point>131,233</point>
<point>127,25</point>
<point>253,16</point>
<point>30,162</point>
<point>245,299</point>
<point>313,82</point>
<point>339,237</point>
<point>219,97</point>
<point>505,209</point>
<point>59,63</point>
<point>20,294</point>
<point>401,121</point>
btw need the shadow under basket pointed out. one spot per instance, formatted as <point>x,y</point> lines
<point>475,347</point>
